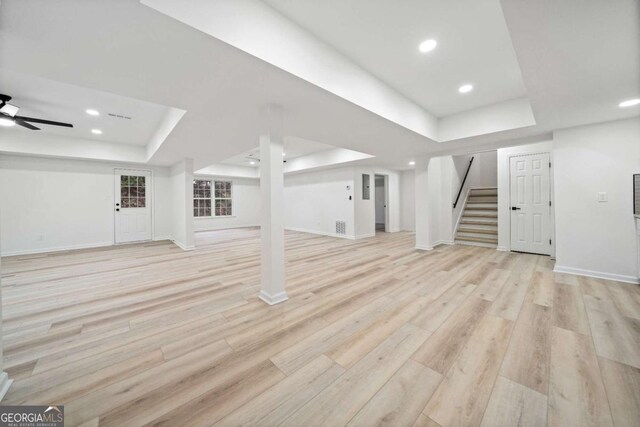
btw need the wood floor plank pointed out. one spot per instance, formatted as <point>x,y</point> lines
<point>576,392</point>
<point>339,402</point>
<point>401,400</point>
<point>277,403</point>
<point>614,335</point>
<point>568,309</point>
<point>622,383</point>
<point>527,359</point>
<point>462,397</point>
<point>442,348</point>
<point>512,404</point>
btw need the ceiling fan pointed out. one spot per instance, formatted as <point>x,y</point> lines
<point>8,116</point>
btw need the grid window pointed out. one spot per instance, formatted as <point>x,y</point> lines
<point>133,192</point>
<point>201,198</point>
<point>207,203</point>
<point>223,201</point>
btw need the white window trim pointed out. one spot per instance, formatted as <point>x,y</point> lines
<point>213,198</point>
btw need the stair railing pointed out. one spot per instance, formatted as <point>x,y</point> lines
<point>462,185</point>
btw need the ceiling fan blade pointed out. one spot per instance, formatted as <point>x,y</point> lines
<point>44,122</point>
<point>24,124</point>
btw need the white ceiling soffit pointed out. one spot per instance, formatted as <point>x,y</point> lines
<point>382,36</point>
<point>121,119</point>
<point>258,29</point>
<point>293,147</point>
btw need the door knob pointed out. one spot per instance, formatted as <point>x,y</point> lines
<point>513,208</point>
<point>117,209</point>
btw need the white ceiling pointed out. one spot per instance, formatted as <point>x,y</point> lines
<point>578,60</point>
<point>47,99</point>
<point>293,148</point>
<point>382,36</point>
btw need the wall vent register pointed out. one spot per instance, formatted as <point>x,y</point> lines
<point>341,227</point>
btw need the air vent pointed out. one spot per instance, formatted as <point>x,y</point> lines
<point>119,116</point>
<point>341,227</point>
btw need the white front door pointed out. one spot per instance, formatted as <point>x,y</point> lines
<point>132,205</point>
<point>530,204</point>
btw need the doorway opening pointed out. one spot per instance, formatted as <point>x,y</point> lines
<point>381,198</point>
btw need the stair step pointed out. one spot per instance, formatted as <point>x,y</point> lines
<point>478,239</point>
<point>482,208</point>
<point>483,192</point>
<point>480,215</point>
<point>478,231</point>
<point>474,222</point>
<point>482,199</point>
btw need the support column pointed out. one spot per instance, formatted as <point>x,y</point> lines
<point>423,231</point>
<point>272,209</point>
<point>5,382</point>
<point>182,203</point>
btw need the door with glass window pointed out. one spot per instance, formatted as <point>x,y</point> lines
<point>132,206</point>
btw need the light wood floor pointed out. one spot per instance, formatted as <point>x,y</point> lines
<point>374,332</point>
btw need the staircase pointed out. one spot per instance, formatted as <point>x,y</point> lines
<point>479,223</point>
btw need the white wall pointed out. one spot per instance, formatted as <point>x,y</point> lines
<point>246,205</point>
<point>504,212</point>
<point>53,204</point>
<point>313,201</point>
<point>407,201</point>
<point>595,238</point>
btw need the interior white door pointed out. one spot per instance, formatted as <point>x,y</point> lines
<point>530,204</point>
<point>132,206</point>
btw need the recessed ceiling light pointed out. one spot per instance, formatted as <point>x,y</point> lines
<point>7,122</point>
<point>96,131</point>
<point>629,102</point>
<point>92,112</point>
<point>284,154</point>
<point>252,162</point>
<point>411,163</point>
<point>465,88</point>
<point>427,45</point>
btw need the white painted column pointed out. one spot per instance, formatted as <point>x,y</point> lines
<point>272,208</point>
<point>446,196</point>
<point>182,204</point>
<point>423,231</point>
<point>5,382</point>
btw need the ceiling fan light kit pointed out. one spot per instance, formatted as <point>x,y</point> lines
<point>8,114</point>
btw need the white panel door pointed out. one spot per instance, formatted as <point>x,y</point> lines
<point>530,207</point>
<point>132,206</point>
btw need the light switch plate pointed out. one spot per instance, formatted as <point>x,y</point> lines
<point>602,197</point>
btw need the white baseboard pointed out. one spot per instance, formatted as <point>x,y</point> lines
<point>502,249</point>
<point>365,236</point>
<point>5,383</point>
<point>442,242</point>
<point>198,230</point>
<point>273,299</point>
<point>57,249</point>
<point>321,233</point>
<point>160,238</point>
<point>596,274</point>
<point>183,246</point>
<point>424,248</point>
